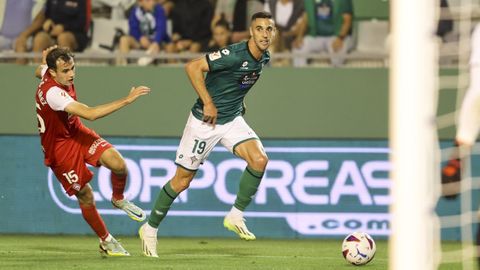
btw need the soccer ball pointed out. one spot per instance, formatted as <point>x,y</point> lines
<point>358,248</point>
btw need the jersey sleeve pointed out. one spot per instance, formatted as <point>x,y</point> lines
<point>221,59</point>
<point>475,54</point>
<point>58,98</point>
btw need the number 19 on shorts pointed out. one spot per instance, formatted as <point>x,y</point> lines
<point>199,147</point>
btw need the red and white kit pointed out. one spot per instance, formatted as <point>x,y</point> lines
<point>67,144</point>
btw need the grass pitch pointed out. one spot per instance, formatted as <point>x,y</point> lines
<point>80,252</point>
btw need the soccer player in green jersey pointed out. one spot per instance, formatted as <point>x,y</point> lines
<point>217,117</point>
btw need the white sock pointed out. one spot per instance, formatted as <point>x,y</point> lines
<point>150,230</point>
<point>235,212</point>
<point>108,239</point>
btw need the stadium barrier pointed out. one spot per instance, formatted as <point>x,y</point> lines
<point>311,103</point>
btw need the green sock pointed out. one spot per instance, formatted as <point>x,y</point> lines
<point>162,204</point>
<point>249,183</point>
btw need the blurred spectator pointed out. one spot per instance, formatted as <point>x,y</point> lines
<point>15,17</point>
<point>289,17</point>
<point>190,25</point>
<point>167,6</point>
<point>63,22</point>
<point>329,30</point>
<point>221,36</point>
<point>148,30</point>
<point>445,25</point>
<point>238,14</point>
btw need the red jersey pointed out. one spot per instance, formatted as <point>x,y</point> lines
<point>55,125</point>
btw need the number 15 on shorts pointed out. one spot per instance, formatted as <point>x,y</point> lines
<point>71,176</point>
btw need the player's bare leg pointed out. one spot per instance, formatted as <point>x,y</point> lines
<point>108,245</point>
<point>253,153</point>
<point>114,161</point>
<point>148,231</point>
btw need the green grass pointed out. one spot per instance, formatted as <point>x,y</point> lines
<point>80,252</point>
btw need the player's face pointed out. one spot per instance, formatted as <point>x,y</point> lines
<point>65,72</point>
<point>262,31</point>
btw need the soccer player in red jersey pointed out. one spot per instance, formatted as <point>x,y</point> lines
<point>68,145</point>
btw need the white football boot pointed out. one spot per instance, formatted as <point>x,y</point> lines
<point>133,211</point>
<point>149,241</point>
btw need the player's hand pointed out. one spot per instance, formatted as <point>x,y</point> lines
<point>57,29</point>
<point>210,114</point>
<point>136,92</point>
<point>337,44</point>
<point>45,53</point>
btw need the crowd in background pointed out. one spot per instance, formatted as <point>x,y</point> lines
<point>176,26</point>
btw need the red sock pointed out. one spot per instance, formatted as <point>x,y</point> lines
<point>93,219</point>
<point>118,186</point>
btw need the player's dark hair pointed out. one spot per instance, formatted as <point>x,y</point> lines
<point>58,53</point>
<point>261,15</point>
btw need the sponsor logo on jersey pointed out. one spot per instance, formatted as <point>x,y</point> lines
<point>244,65</point>
<point>226,51</point>
<point>214,56</point>
<point>249,80</point>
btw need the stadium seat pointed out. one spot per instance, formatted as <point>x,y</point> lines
<point>371,36</point>
<point>104,32</point>
<point>370,49</point>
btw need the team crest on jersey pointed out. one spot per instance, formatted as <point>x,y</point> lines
<point>214,56</point>
<point>226,51</point>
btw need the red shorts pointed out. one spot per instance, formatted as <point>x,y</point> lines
<point>71,170</point>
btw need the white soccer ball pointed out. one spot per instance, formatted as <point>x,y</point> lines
<point>358,248</point>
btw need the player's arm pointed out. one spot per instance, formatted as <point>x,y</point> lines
<point>195,70</point>
<point>93,113</point>
<point>42,68</point>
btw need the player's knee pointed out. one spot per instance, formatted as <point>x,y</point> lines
<point>184,184</point>
<point>181,182</point>
<point>86,198</point>
<point>259,162</point>
<point>119,166</point>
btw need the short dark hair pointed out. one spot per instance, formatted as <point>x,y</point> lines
<point>58,53</point>
<point>261,15</point>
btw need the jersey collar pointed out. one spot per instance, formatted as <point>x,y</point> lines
<point>264,54</point>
